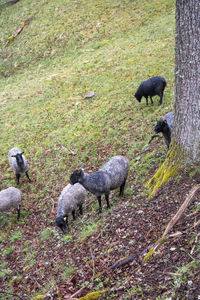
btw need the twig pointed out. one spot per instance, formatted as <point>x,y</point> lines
<point>93,270</point>
<point>57,290</point>
<point>193,213</point>
<point>181,209</point>
<point>124,261</point>
<point>176,234</point>
<point>15,295</point>
<point>195,242</point>
<point>196,224</point>
<point>19,30</point>
<point>53,206</point>
<point>145,151</point>
<point>78,292</point>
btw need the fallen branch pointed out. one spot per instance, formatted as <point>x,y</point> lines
<point>151,250</point>
<point>181,209</point>
<point>78,292</point>
<point>15,295</point>
<point>124,261</point>
<point>19,29</point>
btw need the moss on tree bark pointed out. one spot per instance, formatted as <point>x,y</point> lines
<point>173,163</point>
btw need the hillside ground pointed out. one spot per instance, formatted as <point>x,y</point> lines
<point>66,50</point>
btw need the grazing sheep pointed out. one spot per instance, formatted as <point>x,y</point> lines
<point>18,163</point>
<point>111,176</point>
<point>10,198</point>
<point>165,126</point>
<point>151,87</point>
<point>72,196</point>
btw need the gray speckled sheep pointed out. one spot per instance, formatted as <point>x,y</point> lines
<point>165,126</point>
<point>10,198</point>
<point>111,176</point>
<point>18,163</point>
<point>72,196</point>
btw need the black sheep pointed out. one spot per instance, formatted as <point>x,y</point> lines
<point>165,126</point>
<point>151,87</point>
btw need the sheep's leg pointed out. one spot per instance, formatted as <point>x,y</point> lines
<point>161,96</point>
<point>151,100</point>
<point>17,178</point>
<point>18,212</point>
<point>107,200</point>
<point>28,176</point>
<point>81,209</point>
<point>147,100</point>
<point>66,220</point>
<point>121,192</point>
<point>99,200</point>
<point>73,215</point>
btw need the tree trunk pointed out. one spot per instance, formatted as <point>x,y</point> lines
<point>185,144</point>
<point>186,129</point>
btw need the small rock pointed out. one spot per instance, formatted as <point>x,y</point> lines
<point>172,249</point>
<point>90,95</point>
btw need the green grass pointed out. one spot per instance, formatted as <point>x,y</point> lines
<point>69,49</point>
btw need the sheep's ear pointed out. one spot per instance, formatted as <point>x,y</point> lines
<point>22,153</point>
<point>79,172</point>
<point>82,168</point>
<point>165,122</point>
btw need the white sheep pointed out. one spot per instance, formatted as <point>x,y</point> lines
<point>18,163</point>
<point>72,196</point>
<point>10,198</point>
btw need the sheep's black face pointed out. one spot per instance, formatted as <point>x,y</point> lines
<point>76,176</point>
<point>19,159</point>
<point>61,224</point>
<point>138,98</point>
<point>160,126</point>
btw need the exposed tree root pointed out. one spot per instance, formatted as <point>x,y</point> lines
<point>172,165</point>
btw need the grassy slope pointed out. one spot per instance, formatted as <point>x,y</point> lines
<point>68,49</point>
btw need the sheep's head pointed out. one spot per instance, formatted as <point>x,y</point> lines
<point>76,176</point>
<point>160,126</point>
<point>60,222</point>
<point>19,159</point>
<point>138,97</point>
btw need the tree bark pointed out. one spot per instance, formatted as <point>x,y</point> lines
<point>186,129</point>
<point>185,143</point>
